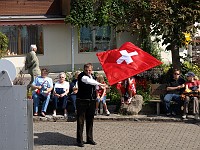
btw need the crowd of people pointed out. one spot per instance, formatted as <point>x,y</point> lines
<point>182,92</point>
<point>86,92</point>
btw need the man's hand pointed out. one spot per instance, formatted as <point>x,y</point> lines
<point>75,90</point>
<point>62,95</point>
<point>57,95</point>
<point>188,90</point>
<point>39,87</point>
<point>101,98</point>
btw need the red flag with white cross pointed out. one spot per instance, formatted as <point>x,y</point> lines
<point>128,60</point>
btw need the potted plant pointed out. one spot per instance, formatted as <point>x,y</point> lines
<point>114,103</point>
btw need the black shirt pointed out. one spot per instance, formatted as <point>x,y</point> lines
<point>175,83</point>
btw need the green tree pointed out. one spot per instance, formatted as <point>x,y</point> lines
<point>3,44</point>
<point>81,13</point>
<point>169,19</point>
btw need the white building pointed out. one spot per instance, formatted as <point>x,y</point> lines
<point>60,47</point>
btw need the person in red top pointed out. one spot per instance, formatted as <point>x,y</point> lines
<point>101,95</point>
<point>192,85</point>
<point>127,89</point>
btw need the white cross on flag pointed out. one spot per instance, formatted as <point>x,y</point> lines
<point>126,57</point>
<point>128,60</point>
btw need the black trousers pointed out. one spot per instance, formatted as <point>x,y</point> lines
<point>85,111</point>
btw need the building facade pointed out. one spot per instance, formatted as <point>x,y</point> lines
<point>60,46</point>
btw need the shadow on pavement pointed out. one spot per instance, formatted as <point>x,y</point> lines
<point>53,138</point>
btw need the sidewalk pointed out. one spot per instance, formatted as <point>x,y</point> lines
<point>118,117</point>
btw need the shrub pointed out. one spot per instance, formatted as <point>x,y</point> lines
<point>3,44</point>
<point>113,95</point>
<point>187,66</point>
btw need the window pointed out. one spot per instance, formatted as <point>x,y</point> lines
<point>93,39</point>
<point>21,37</point>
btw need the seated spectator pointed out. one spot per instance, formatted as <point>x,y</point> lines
<point>175,88</point>
<point>42,86</point>
<point>127,89</point>
<point>74,89</point>
<point>191,86</point>
<point>60,91</point>
<point>101,95</point>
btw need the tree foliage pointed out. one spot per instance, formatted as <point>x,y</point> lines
<point>3,44</point>
<point>81,13</point>
<point>172,18</point>
<point>169,19</point>
<point>98,12</point>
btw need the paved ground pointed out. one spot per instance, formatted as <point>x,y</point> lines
<point>120,135</point>
<point>116,132</point>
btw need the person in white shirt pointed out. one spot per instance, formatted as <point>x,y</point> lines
<point>60,92</point>
<point>86,100</point>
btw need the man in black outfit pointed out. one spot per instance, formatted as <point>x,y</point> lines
<point>175,88</point>
<point>86,97</point>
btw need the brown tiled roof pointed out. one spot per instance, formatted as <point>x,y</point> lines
<point>31,7</point>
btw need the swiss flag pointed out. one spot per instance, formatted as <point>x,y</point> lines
<point>128,60</point>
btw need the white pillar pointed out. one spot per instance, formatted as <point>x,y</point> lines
<point>72,42</point>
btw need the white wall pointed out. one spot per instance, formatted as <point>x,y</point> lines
<point>57,45</point>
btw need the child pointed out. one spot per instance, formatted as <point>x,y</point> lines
<point>126,89</point>
<point>101,95</point>
<point>192,85</point>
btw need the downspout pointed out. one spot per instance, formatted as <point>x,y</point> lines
<point>72,42</point>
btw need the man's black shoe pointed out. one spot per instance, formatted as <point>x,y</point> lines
<point>80,144</point>
<point>91,142</point>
